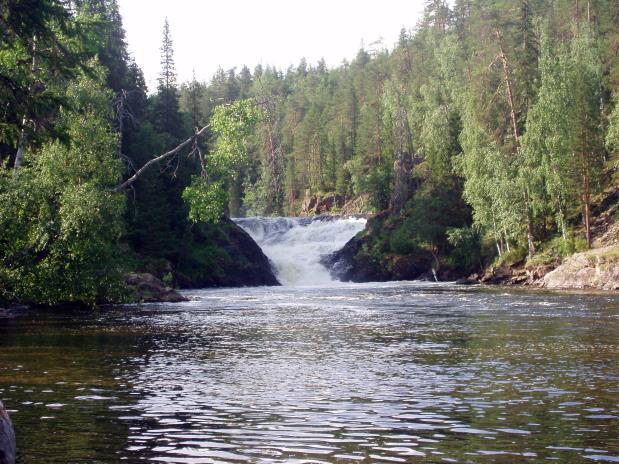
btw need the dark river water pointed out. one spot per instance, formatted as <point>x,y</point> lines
<point>400,372</point>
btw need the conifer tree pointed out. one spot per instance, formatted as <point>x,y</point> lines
<point>167,117</point>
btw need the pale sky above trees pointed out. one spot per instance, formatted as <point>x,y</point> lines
<point>209,34</point>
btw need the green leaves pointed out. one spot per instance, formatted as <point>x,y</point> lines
<point>206,201</point>
<point>60,224</point>
<point>207,196</point>
<point>232,125</point>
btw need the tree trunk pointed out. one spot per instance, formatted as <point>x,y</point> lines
<point>21,146</point>
<point>155,160</point>
<point>516,133</point>
<point>19,156</point>
<point>497,237</point>
<point>510,92</point>
<point>586,199</point>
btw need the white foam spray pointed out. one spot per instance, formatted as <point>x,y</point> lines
<point>296,245</point>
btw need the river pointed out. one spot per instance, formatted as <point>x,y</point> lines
<point>319,371</point>
<point>398,372</point>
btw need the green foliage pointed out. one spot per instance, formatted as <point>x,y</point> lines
<point>612,136</point>
<point>232,124</point>
<point>514,256</point>
<point>60,223</point>
<point>402,241</point>
<point>467,247</point>
<point>206,201</point>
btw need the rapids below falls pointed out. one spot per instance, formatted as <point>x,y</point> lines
<point>317,371</point>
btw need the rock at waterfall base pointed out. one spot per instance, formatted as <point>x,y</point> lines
<point>148,289</point>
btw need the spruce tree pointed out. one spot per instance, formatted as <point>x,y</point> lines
<point>167,117</point>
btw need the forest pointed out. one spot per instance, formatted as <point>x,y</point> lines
<point>488,133</point>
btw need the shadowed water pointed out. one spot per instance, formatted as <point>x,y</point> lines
<point>400,372</point>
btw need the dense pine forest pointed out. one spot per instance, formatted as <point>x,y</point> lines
<point>489,133</point>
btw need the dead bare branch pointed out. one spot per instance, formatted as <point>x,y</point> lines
<point>159,158</point>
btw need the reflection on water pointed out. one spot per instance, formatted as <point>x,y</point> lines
<point>400,372</point>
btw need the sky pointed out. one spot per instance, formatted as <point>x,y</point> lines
<point>211,34</point>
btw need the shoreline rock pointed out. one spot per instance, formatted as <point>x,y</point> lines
<point>592,269</point>
<point>7,438</point>
<point>149,289</point>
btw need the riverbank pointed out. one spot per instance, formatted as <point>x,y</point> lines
<point>390,248</point>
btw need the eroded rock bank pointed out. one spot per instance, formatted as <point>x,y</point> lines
<point>366,258</point>
<point>147,288</point>
<point>361,261</point>
<point>332,203</point>
<point>593,269</point>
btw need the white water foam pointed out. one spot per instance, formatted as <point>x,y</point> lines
<point>296,245</point>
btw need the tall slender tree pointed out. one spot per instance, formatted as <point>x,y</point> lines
<point>167,116</point>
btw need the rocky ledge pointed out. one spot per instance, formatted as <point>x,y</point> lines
<point>149,289</point>
<point>593,269</point>
<point>354,263</point>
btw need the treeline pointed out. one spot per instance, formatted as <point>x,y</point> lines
<point>492,120</point>
<point>507,105</point>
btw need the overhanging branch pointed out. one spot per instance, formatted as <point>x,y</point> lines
<point>167,154</point>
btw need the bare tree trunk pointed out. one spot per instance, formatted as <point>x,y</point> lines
<point>23,136</point>
<point>403,165</point>
<point>561,217</point>
<point>516,133</point>
<point>530,241</point>
<point>273,148</point>
<point>510,92</point>
<point>497,237</point>
<point>586,199</point>
<point>19,156</point>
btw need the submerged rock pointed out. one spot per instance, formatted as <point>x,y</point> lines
<point>7,438</point>
<point>149,289</point>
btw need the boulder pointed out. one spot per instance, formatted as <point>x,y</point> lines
<point>593,269</point>
<point>149,289</point>
<point>7,438</point>
<point>309,203</point>
<point>349,264</point>
<point>245,264</point>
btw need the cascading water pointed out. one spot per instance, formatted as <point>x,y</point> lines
<point>296,245</point>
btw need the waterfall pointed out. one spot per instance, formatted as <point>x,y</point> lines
<point>296,245</point>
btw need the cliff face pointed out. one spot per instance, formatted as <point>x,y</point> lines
<point>218,255</point>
